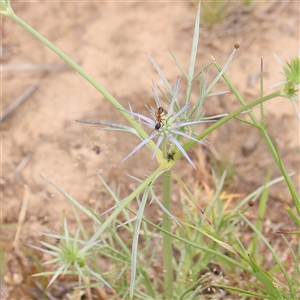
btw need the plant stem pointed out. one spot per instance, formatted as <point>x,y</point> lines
<point>267,139</point>
<point>167,239</point>
<point>211,128</point>
<point>90,79</point>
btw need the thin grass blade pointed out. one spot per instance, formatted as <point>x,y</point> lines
<point>179,65</point>
<point>161,74</point>
<point>135,242</point>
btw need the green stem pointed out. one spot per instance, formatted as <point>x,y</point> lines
<point>265,135</point>
<point>213,127</point>
<point>84,74</point>
<point>164,148</point>
<point>267,139</point>
<point>262,114</point>
<point>167,239</point>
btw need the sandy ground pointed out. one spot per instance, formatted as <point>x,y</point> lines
<point>110,42</point>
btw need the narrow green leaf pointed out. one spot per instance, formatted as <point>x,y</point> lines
<point>135,242</point>
<point>179,65</point>
<point>221,72</point>
<point>248,123</point>
<point>213,236</point>
<point>161,74</point>
<point>203,69</point>
<point>242,292</point>
<point>292,215</point>
<point>193,56</point>
<point>195,44</point>
<point>148,284</point>
<point>276,258</point>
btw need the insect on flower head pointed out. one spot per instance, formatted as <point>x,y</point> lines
<point>165,124</point>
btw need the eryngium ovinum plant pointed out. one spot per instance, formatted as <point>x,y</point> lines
<point>169,131</point>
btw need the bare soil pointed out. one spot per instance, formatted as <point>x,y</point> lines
<point>110,41</point>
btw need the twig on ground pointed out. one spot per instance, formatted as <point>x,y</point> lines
<point>23,163</point>
<point>21,217</point>
<point>19,101</point>
<point>35,67</point>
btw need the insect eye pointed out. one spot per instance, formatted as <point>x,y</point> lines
<point>157,126</point>
<point>160,110</point>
